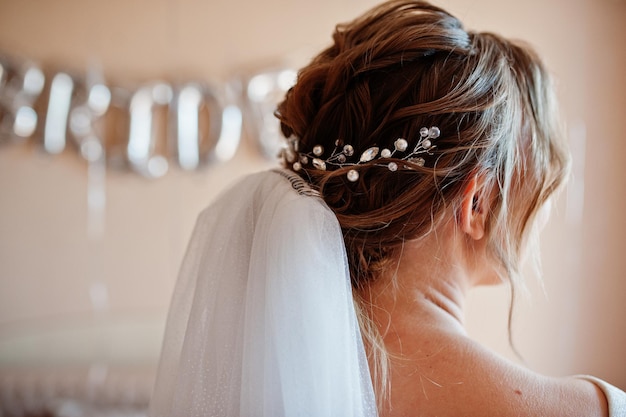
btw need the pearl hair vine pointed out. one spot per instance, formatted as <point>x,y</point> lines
<point>343,153</point>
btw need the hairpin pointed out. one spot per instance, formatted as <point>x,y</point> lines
<point>343,153</point>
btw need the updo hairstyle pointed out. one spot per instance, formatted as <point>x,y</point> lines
<point>405,65</point>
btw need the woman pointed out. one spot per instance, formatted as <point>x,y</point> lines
<point>420,159</point>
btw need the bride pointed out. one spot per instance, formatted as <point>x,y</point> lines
<point>420,162</point>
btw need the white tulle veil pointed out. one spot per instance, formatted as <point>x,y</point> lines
<point>262,321</point>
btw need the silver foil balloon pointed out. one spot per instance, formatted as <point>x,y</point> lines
<point>62,87</point>
<point>90,102</point>
<point>264,90</point>
<point>147,139</point>
<point>232,121</point>
<point>196,124</point>
<point>86,113</point>
<point>21,85</point>
<point>207,127</point>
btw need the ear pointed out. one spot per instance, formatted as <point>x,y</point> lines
<point>473,214</point>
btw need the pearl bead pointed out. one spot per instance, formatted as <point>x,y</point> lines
<point>318,150</point>
<point>353,175</point>
<point>434,132</point>
<point>401,144</point>
<point>386,153</point>
<point>392,166</point>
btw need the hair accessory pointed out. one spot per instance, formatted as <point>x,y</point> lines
<point>342,153</point>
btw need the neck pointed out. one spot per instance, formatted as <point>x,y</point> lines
<point>426,286</point>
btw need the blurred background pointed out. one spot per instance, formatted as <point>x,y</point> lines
<point>121,120</point>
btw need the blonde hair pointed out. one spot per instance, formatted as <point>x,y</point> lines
<point>408,64</point>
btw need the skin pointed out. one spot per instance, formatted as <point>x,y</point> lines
<point>436,369</point>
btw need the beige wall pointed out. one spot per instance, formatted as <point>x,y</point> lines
<point>48,264</point>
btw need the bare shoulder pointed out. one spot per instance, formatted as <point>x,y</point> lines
<point>452,375</point>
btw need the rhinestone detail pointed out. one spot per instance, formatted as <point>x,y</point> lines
<point>342,153</point>
<point>369,154</point>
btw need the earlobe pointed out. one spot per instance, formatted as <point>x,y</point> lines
<point>473,217</point>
